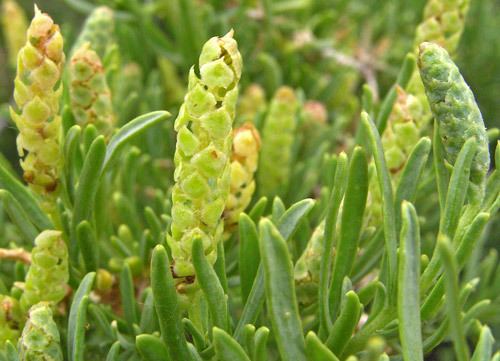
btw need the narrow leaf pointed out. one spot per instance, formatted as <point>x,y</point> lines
<point>280,293</point>
<point>408,286</point>
<point>316,350</point>
<point>166,304</point>
<point>210,285</point>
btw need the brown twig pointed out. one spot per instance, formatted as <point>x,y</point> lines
<point>17,254</point>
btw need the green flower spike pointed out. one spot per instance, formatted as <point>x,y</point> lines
<point>37,92</point>
<point>245,156</point>
<point>277,138</point>
<point>48,274</point>
<point>202,156</point>
<point>443,23</point>
<point>252,102</point>
<point>306,272</point>
<point>14,25</point>
<point>90,94</point>
<point>98,30</point>
<point>40,339</point>
<point>455,109</point>
<point>10,317</point>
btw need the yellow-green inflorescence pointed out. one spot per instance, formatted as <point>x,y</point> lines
<point>203,152</point>
<point>244,160</point>
<point>277,139</point>
<point>37,93</point>
<point>40,339</point>
<point>89,90</point>
<point>98,30</point>
<point>443,23</point>
<point>10,318</point>
<point>455,109</point>
<point>14,25</point>
<point>48,274</point>
<point>252,102</point>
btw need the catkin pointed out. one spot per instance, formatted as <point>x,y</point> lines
<point>89,90</point>
<point>98,30</point>
<point>37,93</point>
<point>455,109</point>
<point>48,274</point>
<point>244,159</point>
<point>202,156</point>
<point>14,25</point>
<point>277,138</point>
<point>40,338</point>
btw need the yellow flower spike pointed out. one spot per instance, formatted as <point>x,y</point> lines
<point>245,156</point>
<point>89,90</point>
<point>37,93</point>
<point>202,157</point>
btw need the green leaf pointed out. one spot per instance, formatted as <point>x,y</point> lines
<point>226,348</point>
<point>11,353</point>
<point>316,350</point>
<point>439,166</point>
<point>484,345</point>
<point>455,198</point>
<point>77,318</point>
<point>18,216</point>
<point>410,176</point>
<point>385,185</point>
<point>258,209</point>
<point>408,286</point>
<point>151,348</point>
<point>289,221</point>
<point>261,337</point>
<point>149,320</point>
<point>452,299</point>
<point>278,208</point>
<point>166,304</point>
<point>26,199</point>
<point>254,304</point>
<point>351,224</point>
<point>127,296</point>
<point>87,244</point>
<point>336,195</point>
<point>288,224</point>
<point>86,190</point>
<point>345,324</point>
<point>128,132</point>
<point>249,255</point>
<point>114,352</point>
<point>72,157</point>
<point>402,81</point>
<point>280,293</point>
<point>210,285</point>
